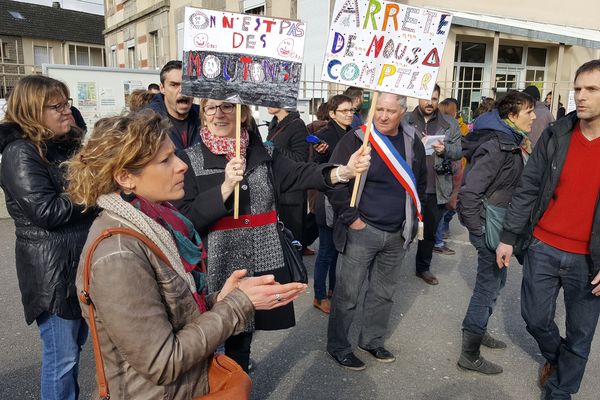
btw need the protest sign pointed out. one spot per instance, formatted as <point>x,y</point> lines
<point>385,46</point>
<point>249,59</point>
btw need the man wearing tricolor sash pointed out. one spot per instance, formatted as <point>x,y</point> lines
<point>373,237</point>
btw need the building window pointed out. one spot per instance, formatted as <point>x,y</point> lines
<point>154,50</point>
<point>85,55</point>
<point>131,54</point>
<point>42,55</point>
<point>510,54</point>
<point>469,69</point>
<point>5,51</point>
<point>256,7</point>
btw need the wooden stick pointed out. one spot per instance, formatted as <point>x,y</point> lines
<point>238,133</point>
<point>365,144</point>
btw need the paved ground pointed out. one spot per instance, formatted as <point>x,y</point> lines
<point>425,336</point>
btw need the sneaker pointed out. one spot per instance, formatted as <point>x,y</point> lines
<point>444,250</point>
<point>323,305</point>
<point>380,354</point>
<point>349,361</point>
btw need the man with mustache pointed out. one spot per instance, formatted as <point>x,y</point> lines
<point>184,115</point>
<point>428,121</point>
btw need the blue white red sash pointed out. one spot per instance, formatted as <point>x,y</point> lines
<point>397,165</point>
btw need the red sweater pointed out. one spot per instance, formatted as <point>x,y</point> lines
<point>567,222</point>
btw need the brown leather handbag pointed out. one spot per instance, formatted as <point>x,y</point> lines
<point>226,379</point>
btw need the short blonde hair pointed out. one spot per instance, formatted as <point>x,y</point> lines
<point>125,142</point>
<point>245,113</point>
<point>25,106</point>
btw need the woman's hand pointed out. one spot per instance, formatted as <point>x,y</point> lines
<point>234,173</point>
<point>264,292</point>
<point>357,164</point>
<point>321,148</point>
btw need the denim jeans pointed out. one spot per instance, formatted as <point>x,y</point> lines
<point>488,284</point>
<point>325,262</point>
<point>62,340</point>
<point>545,270</point>
<point>432,213</point>
<point>443,227</point>
<point>374,256</point>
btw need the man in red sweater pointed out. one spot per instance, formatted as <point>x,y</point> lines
<point>555,211</point>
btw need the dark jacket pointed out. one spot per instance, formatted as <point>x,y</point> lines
<point>158,104</point>
<point>494,166</point>
<point>537,185</point>
<point>289,138</point>
<point>340,196</point>
<point>331,134</point>
<point>50,229</point>
<point>258,248</point>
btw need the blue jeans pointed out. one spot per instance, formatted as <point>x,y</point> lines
<point>62,340</point>
<point>488,284</point>
<point>443,227</point>
<point>374,256</point>
<point>325,262</point>
<point>545,270</point>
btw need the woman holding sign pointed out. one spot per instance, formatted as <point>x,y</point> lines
<point>251,241</point>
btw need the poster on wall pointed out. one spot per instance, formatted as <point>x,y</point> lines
<point>249,59</point>
<point>385,46</point>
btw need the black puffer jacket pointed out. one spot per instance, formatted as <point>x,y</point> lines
<point>50,229</point>
<point>494,166</point>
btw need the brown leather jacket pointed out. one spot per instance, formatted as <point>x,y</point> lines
<point>155,343</point>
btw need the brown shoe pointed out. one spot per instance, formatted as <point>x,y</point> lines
<point>307,252</point>
<point>546,372</point>
<point>323,305</point>
<point>428,277</point>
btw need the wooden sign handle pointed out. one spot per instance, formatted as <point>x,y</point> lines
<point>238,133</point>
<point>365,144</point>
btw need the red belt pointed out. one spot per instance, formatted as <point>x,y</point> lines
<point>245,221</point>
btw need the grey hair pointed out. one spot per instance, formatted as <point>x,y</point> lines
<point>401,99</point>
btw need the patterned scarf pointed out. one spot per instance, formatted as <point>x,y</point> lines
<point>525,143</point>
<point>225,145</point>
<point>187,240</point>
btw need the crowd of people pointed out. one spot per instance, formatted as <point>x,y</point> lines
<point>203,280</point>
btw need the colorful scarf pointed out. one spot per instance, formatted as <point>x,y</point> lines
<point>187,240</point>
<point>525,143</point>
<point>224,145</point>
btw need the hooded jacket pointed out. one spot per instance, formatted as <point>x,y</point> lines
<point>50,229</point>
<point>494,166</point>
<point>193,119</point>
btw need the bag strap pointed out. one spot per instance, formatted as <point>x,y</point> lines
<point>84,296</point>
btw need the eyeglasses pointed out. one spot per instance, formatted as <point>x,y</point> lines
<point>60,107</point>
<point>226,108</point>
<point>348,111</point>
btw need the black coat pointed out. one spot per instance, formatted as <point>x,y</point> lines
<point>536,188</point>
<point>158,105</point>
<point>494,168</point>
<point>289,138</point>
<point>50,229</point>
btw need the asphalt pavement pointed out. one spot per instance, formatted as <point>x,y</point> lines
<point>292,364</point>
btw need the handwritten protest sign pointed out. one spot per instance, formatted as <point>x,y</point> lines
<point>385,46</point>
<point>249,59</point>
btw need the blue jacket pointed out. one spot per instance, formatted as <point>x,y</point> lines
<point>158,104</point>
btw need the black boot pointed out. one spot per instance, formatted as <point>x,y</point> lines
<point>471,359</point>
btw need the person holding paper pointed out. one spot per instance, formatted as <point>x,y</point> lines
<point>251,241</point>
<point>495,162</point>
<point>440,133</point>
<point>373,237</point>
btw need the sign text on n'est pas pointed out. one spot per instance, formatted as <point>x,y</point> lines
<point>248,59</point>
<point>383,45</point>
